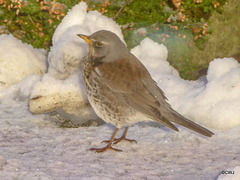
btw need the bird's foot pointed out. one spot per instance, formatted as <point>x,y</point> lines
<point>117,140</point>
<point>109,146</point>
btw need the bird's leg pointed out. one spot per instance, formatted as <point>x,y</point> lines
<point>123,137</point>
<point>109,146</point>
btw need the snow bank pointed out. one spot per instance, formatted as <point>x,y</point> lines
<point>18,60</point>
<point>65,96</point>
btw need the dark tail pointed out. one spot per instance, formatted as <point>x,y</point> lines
<point>179,119</point>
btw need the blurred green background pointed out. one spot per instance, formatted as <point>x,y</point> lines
<point>194,31</point>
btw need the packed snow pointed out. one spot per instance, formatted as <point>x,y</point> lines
<point>36,146</point>
<point>13,55</point>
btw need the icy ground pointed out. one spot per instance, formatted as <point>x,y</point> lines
<point>34,146</point>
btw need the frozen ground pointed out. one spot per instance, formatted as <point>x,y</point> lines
<point>37,147</point>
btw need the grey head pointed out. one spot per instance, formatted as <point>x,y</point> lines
<point>105,46</point>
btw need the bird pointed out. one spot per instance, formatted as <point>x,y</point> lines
<point>121,91</point>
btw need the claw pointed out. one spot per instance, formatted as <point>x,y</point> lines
<point>109,146</point>
<point>117,140</point>
<point>125,139</point>
<point>99,150</point>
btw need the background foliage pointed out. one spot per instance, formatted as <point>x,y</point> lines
<point>180,25</point>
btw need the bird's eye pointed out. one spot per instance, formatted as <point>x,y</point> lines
<point>98,44</point>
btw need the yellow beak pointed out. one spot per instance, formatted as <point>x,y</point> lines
<point>84,37</point>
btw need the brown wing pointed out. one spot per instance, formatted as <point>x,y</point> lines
<point>126,79</point>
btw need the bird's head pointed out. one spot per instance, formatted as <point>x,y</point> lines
<point>104,46</point>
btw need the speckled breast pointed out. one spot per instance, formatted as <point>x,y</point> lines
<point>104,102</point>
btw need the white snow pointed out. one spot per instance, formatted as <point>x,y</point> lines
<point>35,146</point>
<point>14,54</point>
<point>64,76</point>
